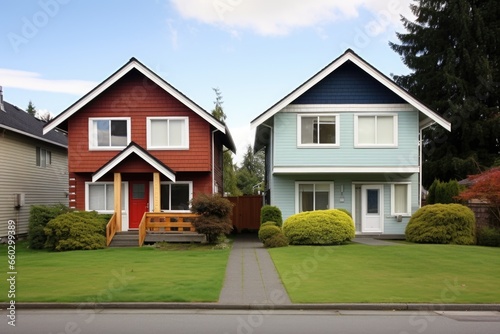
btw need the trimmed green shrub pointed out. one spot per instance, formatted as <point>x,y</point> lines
<point>271,213</point>
<point>488,236</point>
<point>321,227</point>
<point>443,192</point>
<point>40,215</point>
<point>214,219</point>
<point>270,223</point>
<point>277,240</point>
<point>442,224</point>
<point>76,231</point>
<point>265,232</point>
<point>345,211</point>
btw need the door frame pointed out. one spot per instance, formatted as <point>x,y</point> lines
<point>359,205</point>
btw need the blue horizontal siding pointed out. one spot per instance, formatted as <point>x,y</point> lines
<point>348,84</point>
<point>288,154</point>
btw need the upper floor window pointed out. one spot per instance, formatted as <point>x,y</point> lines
<point>109,133</point>
<point>375,130</point>
<point>43,157</point>
<point>318,130</point>
<point>168,132</point>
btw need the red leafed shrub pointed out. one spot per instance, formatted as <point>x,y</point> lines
<point>485,187</point>
<point>215,216</point>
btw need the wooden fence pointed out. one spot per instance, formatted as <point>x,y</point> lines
<point>246,212</point>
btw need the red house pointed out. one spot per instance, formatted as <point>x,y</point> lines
<point>136,144</point>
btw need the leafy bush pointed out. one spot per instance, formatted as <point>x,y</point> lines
<point>442,224</point>
<point>270,223</point>
<point>76,231</point>
<point>277,240</point>
<point>321,227</point>
<point>443,192</point>
<point>40,215</point>
<point>345,211</point>
<point>265,232</point>
<point>488,236</point>
<point>271,213</point>
<point>214,219</point>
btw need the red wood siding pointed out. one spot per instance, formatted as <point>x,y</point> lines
<point>136,97</point>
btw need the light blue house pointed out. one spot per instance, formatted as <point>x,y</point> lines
<point>346,138</point>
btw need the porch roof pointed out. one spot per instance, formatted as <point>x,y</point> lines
<point>133,148</point>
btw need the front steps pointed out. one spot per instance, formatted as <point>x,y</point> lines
<point>131,238</point>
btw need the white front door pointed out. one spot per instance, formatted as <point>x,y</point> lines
<point>372,208</point>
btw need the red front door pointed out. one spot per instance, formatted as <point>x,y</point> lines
<point>138,201</point>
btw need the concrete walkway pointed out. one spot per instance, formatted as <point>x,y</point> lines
<point>375,242</point>
<point>251,277</point>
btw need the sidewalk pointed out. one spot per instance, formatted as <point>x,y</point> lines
<point>251,277</point>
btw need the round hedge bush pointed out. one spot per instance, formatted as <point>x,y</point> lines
<point>271,213</point>
<point>265,232</point>
<point>442,224</point>
<point>270,223</point>
<point>321,227</point>
<point>277,240</point>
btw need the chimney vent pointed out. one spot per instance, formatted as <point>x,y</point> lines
<point>1,100</point>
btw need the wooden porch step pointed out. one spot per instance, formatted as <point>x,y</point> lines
<point>125,239</point>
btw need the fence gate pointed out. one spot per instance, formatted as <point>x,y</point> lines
<point>246,212</point>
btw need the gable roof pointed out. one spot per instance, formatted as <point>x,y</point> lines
<point>133,148</point>
<point>17,120</point>
<point>351,56</point>
<point>129,66</point>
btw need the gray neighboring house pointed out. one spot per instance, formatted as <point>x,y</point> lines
<point>33,166</point>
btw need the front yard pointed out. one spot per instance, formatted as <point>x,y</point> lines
<point>390,274</point>
<point>118,275</point>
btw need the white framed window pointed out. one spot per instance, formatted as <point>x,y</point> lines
<point>99,196</point>
<point>311,196</point>
<point>317,130</point>
<point>379,130</point>
<point>168,133</point>
<point>43,157</point>
<point>109,133</point>
<point>401,199</point>
<point>174,196</point>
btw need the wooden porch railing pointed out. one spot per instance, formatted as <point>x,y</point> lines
<point>111,228</point>
<point>163,222</point>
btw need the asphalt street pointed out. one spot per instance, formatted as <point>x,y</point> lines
<point>249,322</point>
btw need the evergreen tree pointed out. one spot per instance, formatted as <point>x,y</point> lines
<point>452,49</point>
<point>31,109</point>
<point>229,168</point>
<point>250,175</point>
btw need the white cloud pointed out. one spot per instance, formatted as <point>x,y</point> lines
<point>270,17</point>
<point>34,81</point>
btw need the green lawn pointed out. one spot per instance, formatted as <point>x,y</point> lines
<point>390,274</point>
<point>118,275</point>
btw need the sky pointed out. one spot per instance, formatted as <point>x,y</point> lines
<point>52,52</point>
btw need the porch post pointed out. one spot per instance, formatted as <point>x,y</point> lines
<point>118,200</point>
<point>156,192</point>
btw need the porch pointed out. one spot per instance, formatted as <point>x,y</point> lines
<point>154,227</point>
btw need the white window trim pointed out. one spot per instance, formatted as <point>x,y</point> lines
<point>318,145</point>
<point>331,190</point>
<point>148,134</point>
<point>190,183</point>
<point>408,199</point>
<point>93,138</point>
<point>395,131</point>
<point>87,199</point>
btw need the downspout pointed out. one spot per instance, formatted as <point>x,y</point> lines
<point>213,161</point>
<point>271,158</point>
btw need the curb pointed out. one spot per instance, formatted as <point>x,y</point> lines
<point>263,307</point>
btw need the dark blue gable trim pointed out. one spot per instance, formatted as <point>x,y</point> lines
<point>348,84</point>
